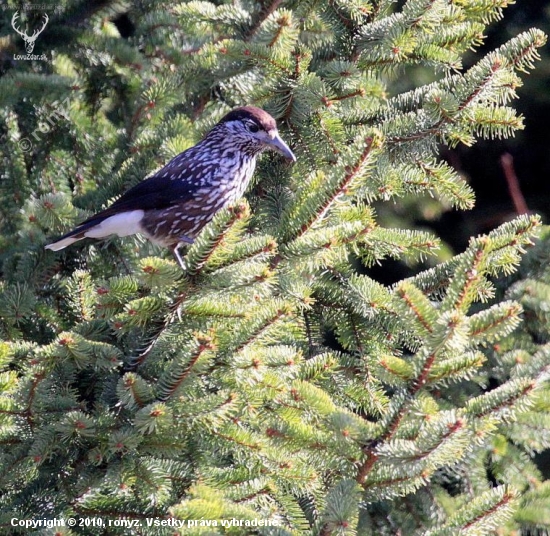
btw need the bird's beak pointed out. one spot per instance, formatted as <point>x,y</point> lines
<point>277,143</point>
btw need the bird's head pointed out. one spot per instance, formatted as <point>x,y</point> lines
<point>254,130</point>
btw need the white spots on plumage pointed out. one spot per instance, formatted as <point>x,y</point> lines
<point>159,223</point>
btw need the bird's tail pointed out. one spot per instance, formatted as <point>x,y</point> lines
<point>100,226</point>
<point>80,232</point>
<point>67,239</point>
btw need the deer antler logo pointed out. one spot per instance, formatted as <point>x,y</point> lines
<point>29,40</point>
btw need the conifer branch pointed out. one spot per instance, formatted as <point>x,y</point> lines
<point>509,401</point>
<point>512,312</point>
<point>135,393</point>
<point>329,102</point>
<point>32,393</point>
<point>506,499</point>
<point>260,330</point>
<point>205,344</point>
<point>473,274</point>
<point>282,23</point>
<point>402,293</point>
<point>350,173</point>
<point>266,10</point>
<point>392,426</point>
<point>333,145</point>
<point>163,325</point>
<point>261,58</point>
<point>235,214</point>
<point>447,119</point>
<point>246,444</point>
<point>252,496</point>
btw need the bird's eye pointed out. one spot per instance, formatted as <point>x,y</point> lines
<point>253,127</point>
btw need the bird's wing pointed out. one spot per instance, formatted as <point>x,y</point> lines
<point>177,182</point>
<point>173,184</point>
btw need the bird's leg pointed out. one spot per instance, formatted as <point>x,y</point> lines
<point>178,256</point>
<point>176,253</point>
<point>183,240</point>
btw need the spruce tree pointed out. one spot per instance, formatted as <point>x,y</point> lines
<point>273,379</point>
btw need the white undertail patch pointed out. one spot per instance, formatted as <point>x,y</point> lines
<point>123,224</point>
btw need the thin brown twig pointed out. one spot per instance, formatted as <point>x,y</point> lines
<point>507,163</point>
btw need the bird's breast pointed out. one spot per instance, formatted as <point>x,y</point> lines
<point>235,182</point>
<point>187,217</point>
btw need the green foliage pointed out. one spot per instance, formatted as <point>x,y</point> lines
<point>273,378</point>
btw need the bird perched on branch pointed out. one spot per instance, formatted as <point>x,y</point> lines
<point>171,207</point>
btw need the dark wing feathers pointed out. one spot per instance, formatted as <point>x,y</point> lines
<point>153,193</point>
<point>156,192</point>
